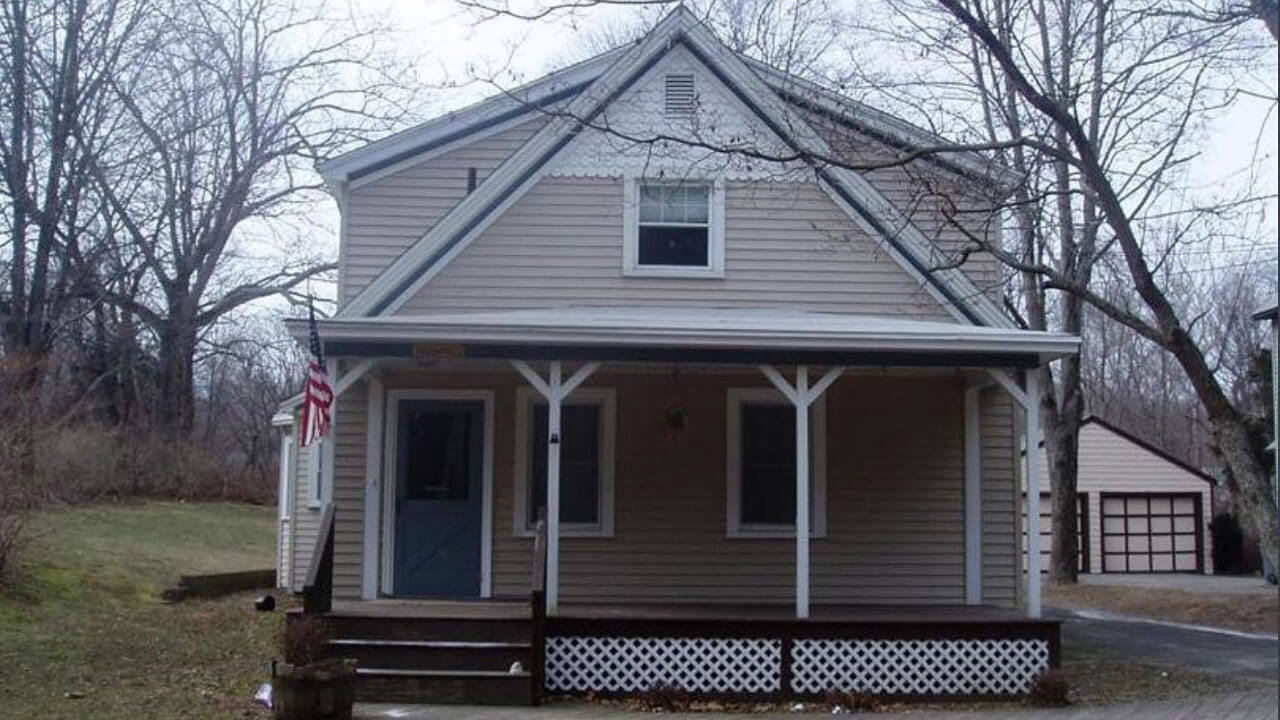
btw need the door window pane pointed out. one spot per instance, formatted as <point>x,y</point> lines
<point>579,463</point>
<point>437,460</point>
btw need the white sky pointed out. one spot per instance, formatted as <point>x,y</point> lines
<point>446,45</point>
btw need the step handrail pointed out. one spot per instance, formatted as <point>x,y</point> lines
<point>317,590</point>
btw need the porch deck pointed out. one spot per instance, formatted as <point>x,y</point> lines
<point>515,609</point>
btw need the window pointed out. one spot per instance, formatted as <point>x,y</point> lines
<point>587,424</point>
<point>761,465</point>
<point>674,229</point>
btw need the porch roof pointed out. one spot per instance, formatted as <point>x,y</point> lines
<point>688,334</point>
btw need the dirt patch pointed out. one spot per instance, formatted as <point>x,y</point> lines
<point>1251,613</point>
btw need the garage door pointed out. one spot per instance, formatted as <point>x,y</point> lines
<point>1151,533</point>
<point>1046,533</point>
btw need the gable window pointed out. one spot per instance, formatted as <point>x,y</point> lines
<point>674,229</point>
<point>761,465</point>
<point>586,462</point>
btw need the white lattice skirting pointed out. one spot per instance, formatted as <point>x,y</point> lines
<point>634,664</point>
<point>754,665</point>
<point>918,667</point>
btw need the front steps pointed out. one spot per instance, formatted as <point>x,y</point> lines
<point>437,653</point>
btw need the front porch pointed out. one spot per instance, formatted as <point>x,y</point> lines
<point>734,652</point>
<point>622,503</point>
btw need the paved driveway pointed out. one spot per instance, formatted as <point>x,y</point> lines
<point>1163,644</point>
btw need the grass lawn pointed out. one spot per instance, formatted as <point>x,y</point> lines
<point>1252,612</point>
<point>83,635</point>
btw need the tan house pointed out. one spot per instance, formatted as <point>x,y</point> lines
<point>578,354</point>
<point>1140,510</point>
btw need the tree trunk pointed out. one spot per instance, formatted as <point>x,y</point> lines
<point>1062,448</point>
<point>176,400</point>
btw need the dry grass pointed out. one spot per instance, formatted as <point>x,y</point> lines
<point>1237,611</point>
<point>83,635</point>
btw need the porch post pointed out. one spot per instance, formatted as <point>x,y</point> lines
<point>554,392</point>
<point>802,492</point>
<point>553,488</point>
<point>1032,382</point>
<point>972,497</point>
<point>802,396</point>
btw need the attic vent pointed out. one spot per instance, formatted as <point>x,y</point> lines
<point>679,96</point>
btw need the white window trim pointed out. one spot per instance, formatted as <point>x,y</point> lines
<point>315,462</point>
<point>631,266</point>
<point>606,398</point>
<point>817,435</point>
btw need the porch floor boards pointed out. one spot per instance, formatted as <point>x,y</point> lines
<point>517,609</point>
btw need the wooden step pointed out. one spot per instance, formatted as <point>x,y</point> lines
<point>443,687</point>
<point>433,654</point>
<point>439,629</point>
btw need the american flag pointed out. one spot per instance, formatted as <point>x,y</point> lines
<point>317,396</point>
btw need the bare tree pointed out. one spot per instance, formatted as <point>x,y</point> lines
<point>1160,60</point>
<point>236,102</point>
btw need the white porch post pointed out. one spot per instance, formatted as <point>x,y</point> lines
<point>802,396</point>
<point>972,497</point>
<point>554,392</point>
<point>802,492</point>
<point>553,487</point>
<point>1032,382</point>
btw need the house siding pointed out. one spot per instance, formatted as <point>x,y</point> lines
<point>306,519</point>
<point>385,216</point>
<point>894,489</point>
<point>1110,464</point>
<point>787,245</point>
<point>1000,497</point>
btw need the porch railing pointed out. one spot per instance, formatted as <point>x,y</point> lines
<point>538,608</point>
<point>317,590</point>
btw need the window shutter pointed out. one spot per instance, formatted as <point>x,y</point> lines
<point>679,95</point>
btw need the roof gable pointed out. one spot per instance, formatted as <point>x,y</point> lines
<point>1149,448</point>
<point>854,194</point>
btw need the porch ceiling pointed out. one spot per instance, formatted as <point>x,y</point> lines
<point>683,334</point>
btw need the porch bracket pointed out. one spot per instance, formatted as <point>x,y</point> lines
<point>554,391</point>
<point>802,395</point>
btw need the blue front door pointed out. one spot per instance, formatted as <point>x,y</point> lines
<point>439,470</point>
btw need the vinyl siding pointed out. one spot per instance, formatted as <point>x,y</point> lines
<point>305,520</point>
<point>999,456</point>
<point>786,245</point>
<point>894,488</point>
<point>348,490</point>
<point>919,190</point>
<point>1110,463</point>
<point>387,215</point>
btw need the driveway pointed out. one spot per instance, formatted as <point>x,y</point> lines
<point>1167,644</point>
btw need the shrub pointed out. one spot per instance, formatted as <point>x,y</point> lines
<point>1050,689</point>
<point>13,535</point>
<point>1231,554</point>
<point>305,639</point>
<point>665,697</point>
<point>853,701</point>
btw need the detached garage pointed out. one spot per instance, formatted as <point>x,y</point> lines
<point>1141,510</point>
